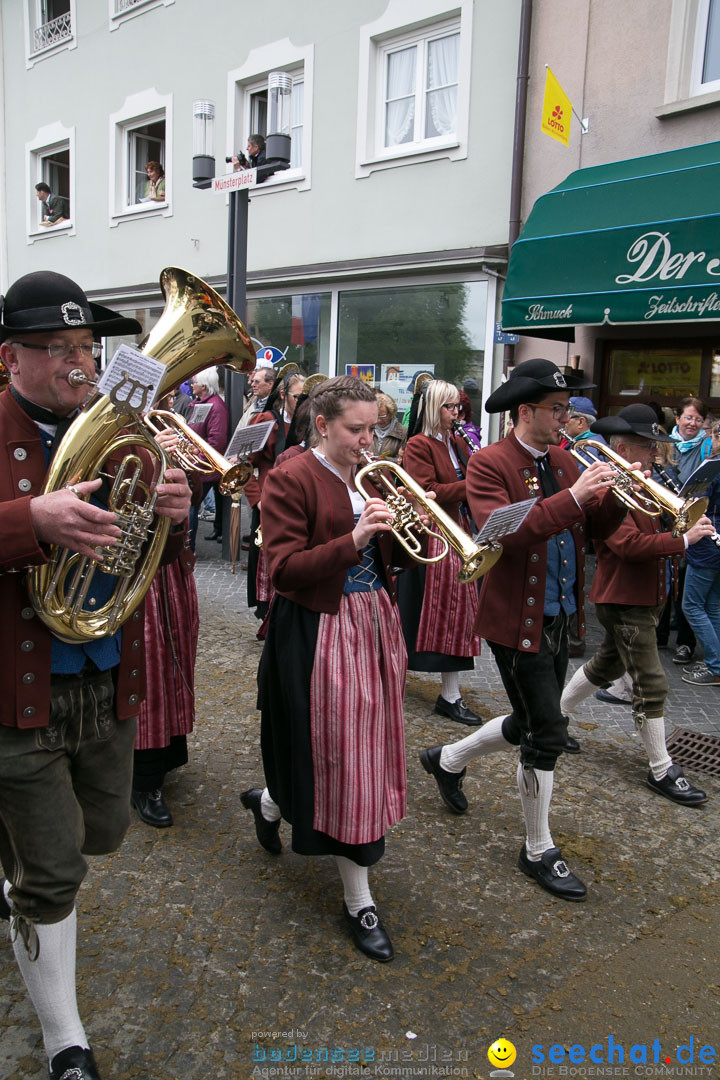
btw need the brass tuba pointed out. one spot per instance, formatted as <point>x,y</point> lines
<point>196,329</point>
<point>407,526</point>
<point>651,498</point>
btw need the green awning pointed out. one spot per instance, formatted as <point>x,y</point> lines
<point>634,241</point>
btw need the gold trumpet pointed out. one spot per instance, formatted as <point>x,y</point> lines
<point>652,498</point>
<point>408,527</point>
<point>194,454</point>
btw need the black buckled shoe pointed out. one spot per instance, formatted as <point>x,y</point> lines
<point>74,1064</point>
<point>268,832</point>
<point>572,746</point>
<point>553,874</point>
<point>369,934</point>
<point>449,783</point>
<point>152,809</point>
<point>675,786</point>
<point>457,710</point>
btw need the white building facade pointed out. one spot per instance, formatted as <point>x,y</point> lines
<point>376,252</point>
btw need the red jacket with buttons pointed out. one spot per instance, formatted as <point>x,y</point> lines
<point>25,641</point>
<point>512,596</point>
<point>631,568</point>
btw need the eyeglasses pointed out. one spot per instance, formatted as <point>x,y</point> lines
<point>65,351</point>
<point>296,396</point>
<point>451,405</point>
<point>560,412</point>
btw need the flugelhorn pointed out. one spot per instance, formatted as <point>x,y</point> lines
<point>194,454</point>
<point>408,527</point>
<point>108,439</point>
<point>651,498</point>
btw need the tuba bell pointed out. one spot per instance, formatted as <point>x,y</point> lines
<point>109,440</point>
<point>408,528</point>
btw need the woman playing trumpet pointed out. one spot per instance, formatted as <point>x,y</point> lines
<point>332,674</point>
<point>437,611</point>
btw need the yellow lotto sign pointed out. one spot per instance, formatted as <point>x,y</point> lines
<point>556,111</point>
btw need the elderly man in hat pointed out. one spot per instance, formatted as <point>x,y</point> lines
<point>67,712</point>
<point>527,599</point>
<point>630,590</point>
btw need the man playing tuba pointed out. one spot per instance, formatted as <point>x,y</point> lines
<point>67,711</point>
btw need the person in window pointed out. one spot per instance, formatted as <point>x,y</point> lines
<point>155,184</point>
<point>56,208</point>
<point>256,150</point>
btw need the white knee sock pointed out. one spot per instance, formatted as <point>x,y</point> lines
<point>576,691</point>
<point>356,887</point>
<point>269,809</point>
<point>652,733</point>
<point>450,685</point>
<point>487,739</point>
<point>50,980</point>
<point>536,787</point>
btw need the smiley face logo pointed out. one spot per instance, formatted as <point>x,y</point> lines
<point>501,1054</point>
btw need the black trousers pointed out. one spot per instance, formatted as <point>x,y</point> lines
<point>534,682</point>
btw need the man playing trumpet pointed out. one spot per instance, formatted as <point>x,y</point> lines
<point>630,589</point>
<point>527,599</point>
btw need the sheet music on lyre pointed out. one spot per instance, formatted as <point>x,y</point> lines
<point>249,439</point>
<point>700,480</point>
<point>505,520</point>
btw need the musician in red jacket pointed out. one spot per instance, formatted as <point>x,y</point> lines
<point>630,589</point>
<point>527,599</point>
<point>67,711</point>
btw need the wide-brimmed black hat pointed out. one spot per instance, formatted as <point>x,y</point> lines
<point>637,419</point>
<point>45,300</point>
<point>527,380</point>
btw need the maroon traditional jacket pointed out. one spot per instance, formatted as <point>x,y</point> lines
<point>631,567</point>
<point>24,640</point>
<point>264,459</point>
<point>428,461</point>
<point>512,596</point>
<point>307,522</point>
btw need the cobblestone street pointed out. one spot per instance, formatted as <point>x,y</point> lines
<point>200,956</point>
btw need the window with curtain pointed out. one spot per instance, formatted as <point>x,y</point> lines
<point>420,86</point>
<point>706,67</point>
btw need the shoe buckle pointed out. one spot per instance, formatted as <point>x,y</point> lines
<point>72,1074</point>
<point>560,868</point>
<point>369,921</point>
<point>682,784</point>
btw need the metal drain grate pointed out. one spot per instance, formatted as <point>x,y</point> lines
<point>695,750</point>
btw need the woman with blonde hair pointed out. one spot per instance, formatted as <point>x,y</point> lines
<point>438,612</point>
<point>390,435</point>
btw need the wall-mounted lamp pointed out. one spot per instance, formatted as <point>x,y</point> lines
<point>203,143</point>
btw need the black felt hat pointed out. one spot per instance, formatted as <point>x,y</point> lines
<point>527,380</point>
<point>636,419</point>
<point>45,300</point>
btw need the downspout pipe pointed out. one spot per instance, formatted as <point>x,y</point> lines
<point>521,95</point>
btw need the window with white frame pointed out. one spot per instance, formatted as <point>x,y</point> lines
<point>706,59</point>
<point>50,164</point>
<point>414,84</point>
<point>256,110</point>
<point>140,156</point>
<point>122,10</point>
<point>418,90</point>
<point>50,24</point>
<point>145,150</point>
<point>249,114</point>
